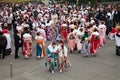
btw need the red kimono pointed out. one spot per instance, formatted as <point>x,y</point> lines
<point>64,31</point>
<point>94,43</point>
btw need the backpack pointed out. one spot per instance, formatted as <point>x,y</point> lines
<point>3,41</point>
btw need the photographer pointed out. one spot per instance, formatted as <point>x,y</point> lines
<point>117,40</point>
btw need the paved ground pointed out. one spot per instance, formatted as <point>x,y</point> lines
<point>105,66</point>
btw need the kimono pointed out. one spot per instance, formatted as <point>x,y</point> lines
<point>79,40</point>
<point>51,57</point>
<point>49,32</point>
<point>94,43</point>
<point>64,31</point>
<point>42,31</point>
<point>71,41</point>
<point>102,32</point>
<point>79,43</point>
<point>27,45</point>
<point>112,33</point>
<point>35,26</point>
<point>57,38</point>
<point>85,49</point>
<point>62,56</point>
<point>40,47</point>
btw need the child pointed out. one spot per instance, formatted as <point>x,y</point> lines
<point>85,48</point>
<point>79,43</point>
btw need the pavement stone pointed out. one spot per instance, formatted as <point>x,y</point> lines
<point>105,66</point>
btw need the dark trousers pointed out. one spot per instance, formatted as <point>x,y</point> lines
<point>118,50</point>
<point>9,26</point>
<point>16,51</point>
<point>2,52</point>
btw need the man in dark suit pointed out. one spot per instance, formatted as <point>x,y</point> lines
<point>3,44</point>
<point>17,43</point>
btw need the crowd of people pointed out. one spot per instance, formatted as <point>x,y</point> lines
<point>83,28</point>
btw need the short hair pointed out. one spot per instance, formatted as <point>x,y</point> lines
<point>1,33</point>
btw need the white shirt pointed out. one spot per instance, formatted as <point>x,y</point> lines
<point>19,28</point>
<point>110,15</point>
<point>9,20</point>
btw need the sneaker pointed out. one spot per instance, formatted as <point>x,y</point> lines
<point>60,70</point>
<point>53,72</point>
<point>38,57</point>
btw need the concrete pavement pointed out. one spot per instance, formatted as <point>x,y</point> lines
<point>105,66</point>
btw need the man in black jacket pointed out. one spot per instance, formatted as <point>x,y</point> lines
<point>17,43</point>
<point>3,44</point>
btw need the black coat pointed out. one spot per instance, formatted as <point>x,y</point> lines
<point>17,41</point>
<point>3,41</point>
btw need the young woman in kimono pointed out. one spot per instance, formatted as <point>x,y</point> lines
<point>42,31</point>
<point>102,32</point>
<point>94,42</point>
<point>112,33</point>
<point>62,56</point>
<point>48,31</point>
<point>52,56</point>
<point>40,45</point>
<point>35,26</point>
<point>27,45</point>
<point>58,36</point>
<point>64,30</point>
<point>71,41</point>
<point>80,34</point>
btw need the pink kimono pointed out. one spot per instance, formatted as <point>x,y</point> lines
<point>102,32</point>
<point>71,41</point>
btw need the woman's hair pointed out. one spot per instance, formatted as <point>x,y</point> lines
<point>38,33</point>
<point>95,30</point>
<point>81,29</point>
<point>72,30</point>
<point>1,33</point>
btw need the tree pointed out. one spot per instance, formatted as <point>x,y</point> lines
<point>93,2</point>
